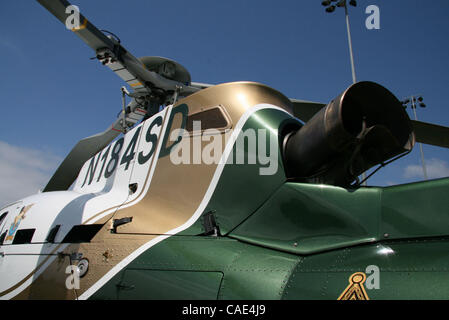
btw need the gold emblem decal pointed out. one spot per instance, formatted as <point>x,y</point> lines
<point>355,290</point>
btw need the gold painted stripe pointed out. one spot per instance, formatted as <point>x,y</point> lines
<point>135,84</point>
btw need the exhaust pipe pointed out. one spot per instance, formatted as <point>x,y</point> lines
<point>364,126</point>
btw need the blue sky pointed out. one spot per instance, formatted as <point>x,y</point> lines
<point>52,94</point>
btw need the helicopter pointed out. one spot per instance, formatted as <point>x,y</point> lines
<point>228,191</point>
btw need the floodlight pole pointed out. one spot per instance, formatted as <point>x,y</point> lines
<point>351,54</point>
<point>350,44</point>
<point>354,80</point>
<point>331,8</point>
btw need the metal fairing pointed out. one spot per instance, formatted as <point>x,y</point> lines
<point>304,242</point>
<point>307,219</point>
<point>129,219</point>
<point>165,203</point>
<point>273,238</point>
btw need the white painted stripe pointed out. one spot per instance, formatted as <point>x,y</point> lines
<point>197,213</point>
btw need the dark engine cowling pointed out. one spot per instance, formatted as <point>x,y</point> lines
<point>364,126</point>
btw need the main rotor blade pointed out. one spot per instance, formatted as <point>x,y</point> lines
<point>93,37</point>
<point>432,134</point>
<point>111,53</point>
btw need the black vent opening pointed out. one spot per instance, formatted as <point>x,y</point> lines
<point>52,234</point>
<point>2,237</point>
<point>3,216</point>
<point>23,236</point>
<point>82,233</point>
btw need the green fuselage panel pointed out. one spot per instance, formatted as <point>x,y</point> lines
<point>287,240</point>
<point>186,267</point>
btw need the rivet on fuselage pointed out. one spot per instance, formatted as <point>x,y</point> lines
<point>107,255</point>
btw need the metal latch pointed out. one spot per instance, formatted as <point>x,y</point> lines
<point>124,286</point>
<point>210,225</point>
<point>119,222</point>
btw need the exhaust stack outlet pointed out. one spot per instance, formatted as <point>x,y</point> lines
<point>364,126</point>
